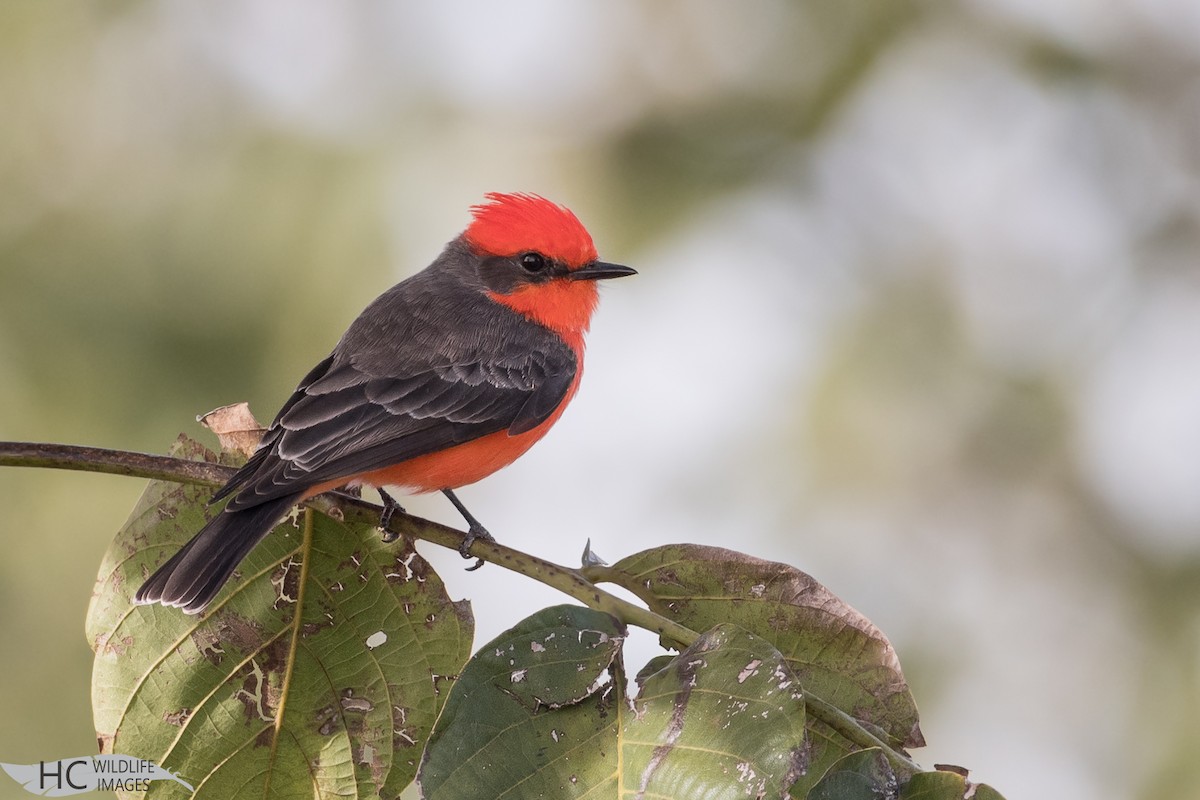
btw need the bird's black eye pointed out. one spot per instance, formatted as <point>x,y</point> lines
<point>533,262</point>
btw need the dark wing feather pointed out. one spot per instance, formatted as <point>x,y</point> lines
<point>348,422</point>
<point>264,452</point>
<point>431,363</point>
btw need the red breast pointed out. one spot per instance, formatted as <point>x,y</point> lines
<point>462,464</point>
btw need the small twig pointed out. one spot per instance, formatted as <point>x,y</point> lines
<point>565,579</point>
<point>112,462</point>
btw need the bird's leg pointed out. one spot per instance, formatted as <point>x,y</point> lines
<point>474,530</point>
<point>390,507</point>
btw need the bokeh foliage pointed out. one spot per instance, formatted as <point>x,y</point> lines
<point>968,227</point>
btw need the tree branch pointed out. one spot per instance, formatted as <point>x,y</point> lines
<point>352,509</point>
<point>112,462</point>
<point>565,579</point>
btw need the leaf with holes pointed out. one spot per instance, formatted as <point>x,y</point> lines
<point>535,716</point>
<point>839,655</point>
<point>724,719</point>
<point>531,713</point>
<point>318,671</point>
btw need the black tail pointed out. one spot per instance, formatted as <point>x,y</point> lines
<point>193,576</point>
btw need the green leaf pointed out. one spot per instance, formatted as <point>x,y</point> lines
<point>867,775</point>
<point>315,686</point>
<point>946,786</point>
<point>530,715</point>
<point>838,653</point>
<point>723,719</point>
<point>862,775</point>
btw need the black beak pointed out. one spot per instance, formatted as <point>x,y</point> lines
<point>599,271</point>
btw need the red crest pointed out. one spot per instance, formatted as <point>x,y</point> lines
<point>508,224</point>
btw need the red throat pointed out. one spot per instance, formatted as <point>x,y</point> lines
<point>509,224</point>
<point>563,306</point>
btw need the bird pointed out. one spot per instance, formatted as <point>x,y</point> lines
<point>447,377</point>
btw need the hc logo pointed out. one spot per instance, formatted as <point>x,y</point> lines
<point>60,771</point>
<point>112,772</point>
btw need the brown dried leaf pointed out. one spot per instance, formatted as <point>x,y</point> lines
<point>235,427</point>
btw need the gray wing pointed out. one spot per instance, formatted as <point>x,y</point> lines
<point>345,422</point>
<point>410,377</point>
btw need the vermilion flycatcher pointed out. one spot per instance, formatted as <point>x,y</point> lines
<point>444,379</point>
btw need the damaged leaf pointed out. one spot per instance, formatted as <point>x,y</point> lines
<point>838,654</point>
<point>325,685</point>
<point>235,427</point>
<point>531,708</point>
<point>723,719</point>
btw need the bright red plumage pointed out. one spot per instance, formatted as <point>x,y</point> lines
<point>514,223</point>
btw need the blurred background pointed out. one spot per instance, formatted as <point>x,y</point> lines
<point>918,313</point>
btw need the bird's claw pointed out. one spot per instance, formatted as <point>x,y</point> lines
<point>475,532</point>
<point>390,507</point>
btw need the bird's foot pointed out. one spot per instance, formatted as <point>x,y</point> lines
<point>390,507</point>
<point>475,532</point>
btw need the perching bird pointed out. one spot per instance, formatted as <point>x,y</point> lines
<point>442,380</point>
